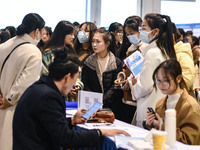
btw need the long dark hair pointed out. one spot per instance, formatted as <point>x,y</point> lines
<point>63,64</point>
<point>30,23</point>
<point>4,36</point>
<point>171,69</point>
<point>41,44</point>
<point>114,26</point>
<point>114,29</point>
<point>91,27</point>
<point>164,39</point>
<point>134,22</point>
<point>58,37</point>
<point>176,33</point>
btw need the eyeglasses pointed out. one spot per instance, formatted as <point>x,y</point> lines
<point>164,82</point>
<point>119,32</point>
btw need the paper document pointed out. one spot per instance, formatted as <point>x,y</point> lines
<point>140,144</point>
<point>134,63</point>
<point>122,141</point>
<point>87,99</point>
<point>71,113</point>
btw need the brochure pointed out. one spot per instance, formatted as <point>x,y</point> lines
<point>134,63</point>
<point>87,99</point>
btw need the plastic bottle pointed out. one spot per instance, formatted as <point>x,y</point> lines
<point>170,126</point>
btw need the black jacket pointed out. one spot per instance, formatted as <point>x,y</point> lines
<point>40,121</point>
<point>91,77</point>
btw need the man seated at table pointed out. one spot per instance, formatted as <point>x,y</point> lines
<point>39,121</point>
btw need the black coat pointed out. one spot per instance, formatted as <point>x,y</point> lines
<point>90,77</point>
<point>40,121</point>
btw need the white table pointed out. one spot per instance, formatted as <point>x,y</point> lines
<point>134,131</point>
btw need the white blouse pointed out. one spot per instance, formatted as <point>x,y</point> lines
<point>173,99</point>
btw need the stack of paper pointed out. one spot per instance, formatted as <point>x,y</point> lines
<point>140,144</point>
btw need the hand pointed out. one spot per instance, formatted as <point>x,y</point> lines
<point>4,103</point>
<point>77,88</point>
<point>134,80</point>
<point>153,120</point>
<point>150,117</point>
<point>1,100</point>
<point>74,91</point>
<point>77,119</point>
<point>126,86</point>
<point>1,103</point>
<point>156,123</point>
<point>117,82</point>
<point>113,132</point>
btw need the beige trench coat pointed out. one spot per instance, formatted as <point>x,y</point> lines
<point>21,70</point>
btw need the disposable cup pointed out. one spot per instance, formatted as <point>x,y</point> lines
<point>159,139</point>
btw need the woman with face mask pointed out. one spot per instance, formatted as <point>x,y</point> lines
<point>20,63</point>
<point>130,36</point>
<point>83,41</point>
<point>131,28</point>
<point>157,32</point>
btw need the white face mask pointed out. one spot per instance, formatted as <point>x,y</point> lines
<point>83,37</point>
<point>133,39</point>
<point>144,36</point>
<point>37,39</point>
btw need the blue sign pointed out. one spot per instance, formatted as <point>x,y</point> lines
<point>195,27</point>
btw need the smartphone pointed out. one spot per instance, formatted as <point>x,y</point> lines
<point>152,111</point>
<point>92,110</point>
<point>122,85</point>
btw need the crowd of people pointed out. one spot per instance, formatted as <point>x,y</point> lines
<point>41,69</point>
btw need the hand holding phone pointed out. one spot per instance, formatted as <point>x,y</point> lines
<point>122,85</point>
<point>152,111</point>
<point>92,110</point>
